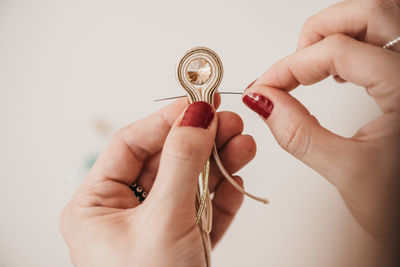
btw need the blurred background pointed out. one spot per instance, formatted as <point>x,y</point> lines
<point>73,72</point>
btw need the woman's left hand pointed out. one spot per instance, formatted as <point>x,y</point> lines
<point>105,225</point>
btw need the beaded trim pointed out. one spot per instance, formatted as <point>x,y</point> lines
<point>139,192</point>
<point>392,43</point>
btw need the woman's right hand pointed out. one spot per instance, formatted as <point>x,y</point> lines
<point>344,40</point>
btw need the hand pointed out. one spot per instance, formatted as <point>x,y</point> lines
<point>105,225</point>
<point>366,167</point>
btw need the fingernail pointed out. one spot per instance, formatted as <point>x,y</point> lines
<point>198,114</point>
<point>258,103</point>
<point>248,86</point>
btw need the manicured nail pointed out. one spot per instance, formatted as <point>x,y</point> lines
<point>248,86</point>
<point>198,114</point>
<point>258,103</point>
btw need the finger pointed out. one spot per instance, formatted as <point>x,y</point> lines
<point>217,101</point>
<point>123,158</point>
<point>354,61</point>
<point>236,154</point>
<point>186,150</point>
<point>375,22</point>
<point>149,172</point>
<point>106,193</point>
<point>298,132</point>
<point>339,79</point>
<point>226,202</point>
<point>230,125</point>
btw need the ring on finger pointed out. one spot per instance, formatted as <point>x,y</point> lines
<point>392,43</point>
<point>139,192</point>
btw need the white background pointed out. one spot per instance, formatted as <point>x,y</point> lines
<point>66,65</point>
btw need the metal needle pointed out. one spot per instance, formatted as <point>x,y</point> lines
<point>181,96</point>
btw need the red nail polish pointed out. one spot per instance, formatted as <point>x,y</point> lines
<point>248,86</point>
<point>198,114</point>
<point>258,103</point>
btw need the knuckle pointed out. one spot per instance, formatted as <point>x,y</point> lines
<point>337,40</point>
<point>138,150</point>
<point>63,221</point>
<point>296,137</point>
<point>121,133</point>
<point>185,149</point>
<point>381,3</point>
<point>306,29</point>
<point>379,8</point>
<point>309,21</point>
<point>337,46</point>
<point>125,130</point>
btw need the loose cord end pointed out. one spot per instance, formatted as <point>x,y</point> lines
<point>232,181</point>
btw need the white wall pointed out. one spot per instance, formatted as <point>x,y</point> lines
<point>66,66</point>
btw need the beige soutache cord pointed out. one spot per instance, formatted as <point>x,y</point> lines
<point>203,200</point>
<point>231,180</point>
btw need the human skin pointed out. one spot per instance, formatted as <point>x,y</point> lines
<point>105,225</point>
<point>344,41</point>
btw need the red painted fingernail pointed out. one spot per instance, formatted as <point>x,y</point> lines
<point>258,103</point>
<point>248,86</point>
<point>198,114</point>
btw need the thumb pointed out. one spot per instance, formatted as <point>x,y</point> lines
<point>187,148</point>
<point>297,131</point>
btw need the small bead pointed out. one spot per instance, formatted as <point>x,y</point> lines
<point>139,189</point>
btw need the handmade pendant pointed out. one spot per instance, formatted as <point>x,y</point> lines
<point>200,73</point>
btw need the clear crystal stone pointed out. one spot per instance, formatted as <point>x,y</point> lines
<point>198,71</point>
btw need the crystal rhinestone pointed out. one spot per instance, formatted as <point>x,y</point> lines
<point>198,71</point>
